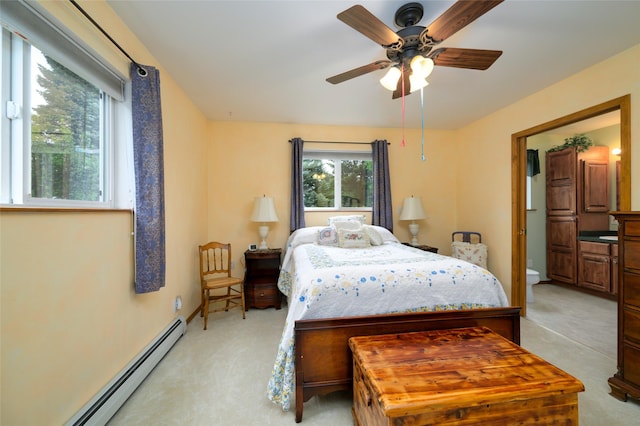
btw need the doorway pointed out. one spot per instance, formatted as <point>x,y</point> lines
<point>518,182</point>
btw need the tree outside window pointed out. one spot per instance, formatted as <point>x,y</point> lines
<point>66,160</point>
<point>337,181</point>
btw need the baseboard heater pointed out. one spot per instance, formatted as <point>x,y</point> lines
<point>104,405</point>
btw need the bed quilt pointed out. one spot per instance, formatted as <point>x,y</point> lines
<point>327,282</point>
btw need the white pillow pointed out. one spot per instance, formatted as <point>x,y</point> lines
<point>353,238</point>
<point>387,236</point>
<point>350,225</point>
<point>301,236</point>
<point>360,218</point>
<point>374,236</point>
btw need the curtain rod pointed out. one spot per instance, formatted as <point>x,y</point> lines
<point>340,142</point>
<point>141,71</point>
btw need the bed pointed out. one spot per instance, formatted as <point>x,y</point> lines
<point>342,281</point>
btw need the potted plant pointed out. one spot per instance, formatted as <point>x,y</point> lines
<point>581,142</point>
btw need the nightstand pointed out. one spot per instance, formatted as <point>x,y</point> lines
<point>261,278</point>
<point>423,247</point>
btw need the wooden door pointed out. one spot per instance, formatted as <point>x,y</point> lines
<point>595,186</point>
<point>561,182</point>
<point>594,268</point>
<point>562,249</point>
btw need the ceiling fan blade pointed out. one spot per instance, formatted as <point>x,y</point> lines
<point>407,86</point>
<point>356,72</point>
<point>476,59</point>
<point>458,16</point>
<point>360,19</point>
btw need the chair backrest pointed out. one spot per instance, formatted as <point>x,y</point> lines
<point>467,237</point>
<point>215,259</point>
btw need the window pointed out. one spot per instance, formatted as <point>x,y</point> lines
<point>338,180</point>
<point>56,141</point>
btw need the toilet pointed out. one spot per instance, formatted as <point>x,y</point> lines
<point>533,277</point>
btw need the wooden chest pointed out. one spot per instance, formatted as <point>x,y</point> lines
<point>463,376</point>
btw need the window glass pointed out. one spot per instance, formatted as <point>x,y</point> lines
<point>338,180</point>
<point>357,183</point>
<point>318,181</point>
<point>66,138</point>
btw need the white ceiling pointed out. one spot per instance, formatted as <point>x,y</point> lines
<point>267,60</point>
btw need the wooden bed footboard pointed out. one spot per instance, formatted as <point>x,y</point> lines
<point>323,358</point>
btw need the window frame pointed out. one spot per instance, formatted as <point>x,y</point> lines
<point>30,25</point>
<point>337,157</point>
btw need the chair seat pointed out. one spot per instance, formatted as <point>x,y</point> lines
<point>222,282</point>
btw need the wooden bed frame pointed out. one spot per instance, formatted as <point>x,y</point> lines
<point>323,358</point>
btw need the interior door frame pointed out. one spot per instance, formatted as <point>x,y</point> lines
<point>519,183</point>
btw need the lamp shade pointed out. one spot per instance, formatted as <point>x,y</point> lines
<point>264,210</point>
<point>390,79</point>
<point>421,66</point>
<point>417,83</point>
<point>412,209</point>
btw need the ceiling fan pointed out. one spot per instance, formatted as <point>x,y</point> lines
<point>410,51</point>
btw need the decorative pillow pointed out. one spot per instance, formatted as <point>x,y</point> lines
<point>328,236</point>
<point>374,236</point>
<point>360,218</point>
<point>353,238</point>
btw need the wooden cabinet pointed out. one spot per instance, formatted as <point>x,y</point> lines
<point>626,381</point>
<point>261,278</point>
<point>594,266</point>
<point>614,269</point>
<point>577,196</point>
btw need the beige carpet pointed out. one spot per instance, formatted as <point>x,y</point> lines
<point>219,377</point>
<point>584,318</point>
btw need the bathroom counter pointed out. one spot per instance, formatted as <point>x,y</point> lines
<point>596,236</point>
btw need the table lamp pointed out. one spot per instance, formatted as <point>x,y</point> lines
<point>264,212</point>
<point>412,210</point>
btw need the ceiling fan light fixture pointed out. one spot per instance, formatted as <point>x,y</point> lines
<point>390,79</point>
<point>417,83</point>
<point>421,66</point>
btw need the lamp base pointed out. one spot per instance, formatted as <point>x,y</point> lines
<point>413,228</point>
<point>263,231</point>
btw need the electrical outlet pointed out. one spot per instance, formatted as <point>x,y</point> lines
<point>529,263</point>
<point>233,264</point>
<point>177,305</point>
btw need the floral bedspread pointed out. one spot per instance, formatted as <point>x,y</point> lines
<point>326,282</point>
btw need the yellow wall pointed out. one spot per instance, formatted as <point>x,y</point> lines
<point>69,317</point>
<point>247,160</point>
<point>484,181</point>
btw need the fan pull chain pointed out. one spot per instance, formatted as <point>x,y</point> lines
<point>402,78</point>
<point>422,108</point>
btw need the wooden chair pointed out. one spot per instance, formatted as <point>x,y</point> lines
<point>215,276</point>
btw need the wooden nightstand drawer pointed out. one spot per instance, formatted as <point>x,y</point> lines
<point>265,294</point>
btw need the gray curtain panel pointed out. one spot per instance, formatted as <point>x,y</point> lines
<point>382,214</point>
<point>149,176</point>
<point>296,220</point>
